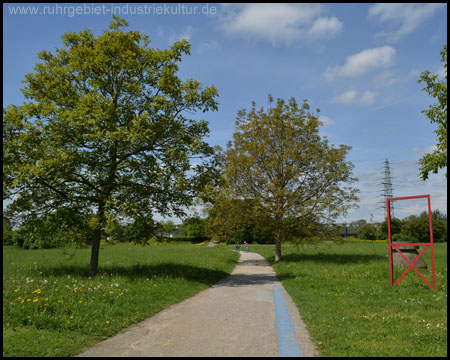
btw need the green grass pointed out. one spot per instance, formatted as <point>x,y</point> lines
<point>344,296</point>
<point>51,307</point>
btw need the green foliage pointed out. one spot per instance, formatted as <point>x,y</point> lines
<point>115,231</point>
<point>367,232</point>
<point>404,238</point>
<point>195,229</point>
<point>60,228</point>
<point>437,113</point>
<point>8,233</point>
<point>233,220</point>
<point>107,127</point>
<point>419,228</point>
<point>396,227</point>
<point>168,226</point>
<point>141,230</point>
<point>416,227</point>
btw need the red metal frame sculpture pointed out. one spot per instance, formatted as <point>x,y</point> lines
<point>426,245</point>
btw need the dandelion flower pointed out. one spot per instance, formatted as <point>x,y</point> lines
<point>107,321</point>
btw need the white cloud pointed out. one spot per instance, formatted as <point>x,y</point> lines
<point>326,120</point>
<point>430,149</point>
<point>363,62</point>
<point>347,97</point>
<point>185,34</point>
<point>407,16</point>
<point>208,46</point>
<point>441,72</point>
<point>352,97</point>
<point>368,97</point>
<point>325,26</point>
<point>387,78</point>
<point>278,22</point>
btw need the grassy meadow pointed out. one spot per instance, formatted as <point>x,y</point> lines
<point>51,307</point>
<point>344,296</point>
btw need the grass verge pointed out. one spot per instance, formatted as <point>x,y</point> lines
<point>344,296</point>
<point>51,307</point>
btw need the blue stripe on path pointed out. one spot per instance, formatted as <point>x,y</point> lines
<point>287,340</point>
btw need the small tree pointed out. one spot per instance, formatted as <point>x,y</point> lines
<point>195,229</point>
<point>278,160</point>
<point>168,227</point>
<point>437,113</point>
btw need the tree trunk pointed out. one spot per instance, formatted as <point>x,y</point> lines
<point>93,266</point>
<point>277,249</point>
<point>278,240</point>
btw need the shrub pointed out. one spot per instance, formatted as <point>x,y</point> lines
<point>403,238</point>
<point>367,232</point>
<point>419,228</point>
<point>396,228</point>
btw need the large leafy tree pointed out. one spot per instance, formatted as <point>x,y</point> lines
<point>278,160</point>
<point>436,113</point>
<point>106,129</point>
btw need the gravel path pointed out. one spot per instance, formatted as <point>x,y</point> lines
<point>238,316</point>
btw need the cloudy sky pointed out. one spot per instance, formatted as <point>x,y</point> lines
<point>358,63</point>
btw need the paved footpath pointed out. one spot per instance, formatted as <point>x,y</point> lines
<point>247,314</point>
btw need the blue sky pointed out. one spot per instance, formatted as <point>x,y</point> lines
<point>358,63</point>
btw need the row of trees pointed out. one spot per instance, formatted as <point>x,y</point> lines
<point>414,228</point>
<point>106,139</point>
<point>64,227</point>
